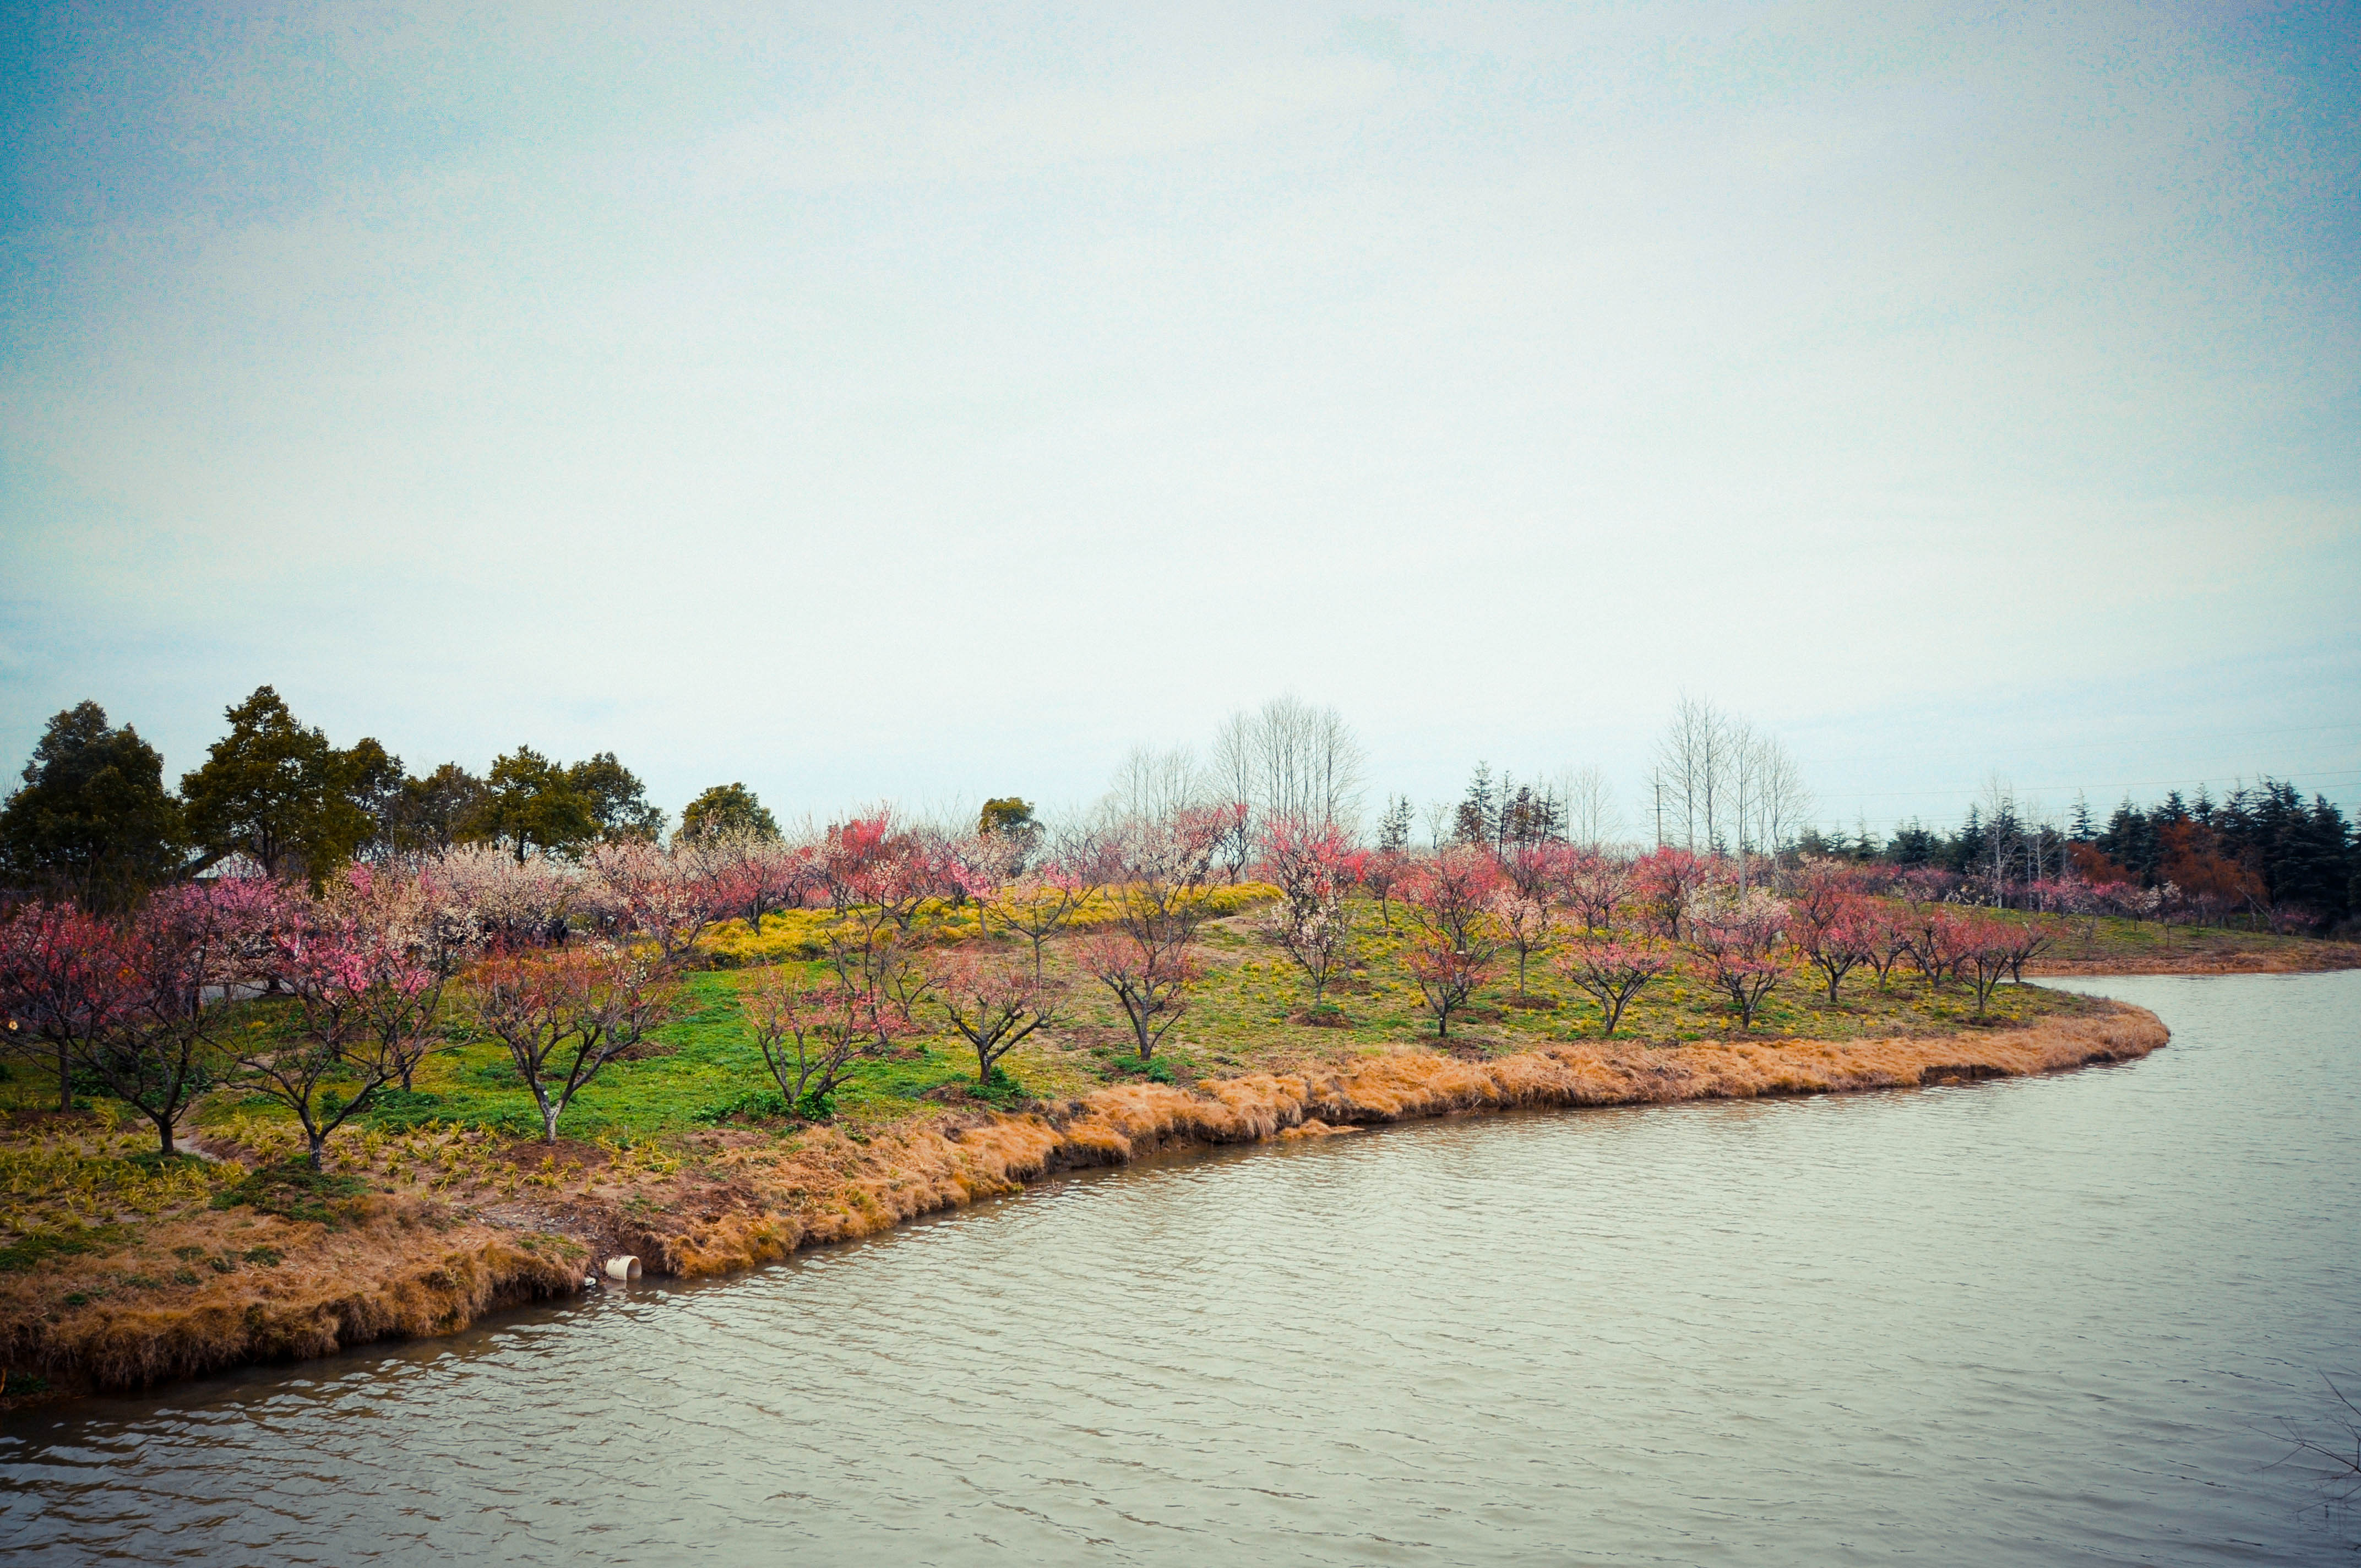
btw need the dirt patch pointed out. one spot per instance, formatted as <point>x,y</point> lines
<point>532,1154</point>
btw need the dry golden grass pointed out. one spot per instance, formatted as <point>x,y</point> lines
<point>469,1226</point>
<point>762,1203</point>
<point>215,1288</point>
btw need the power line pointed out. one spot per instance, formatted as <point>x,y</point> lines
<point>2145,739</point>
<point>2314,780</point>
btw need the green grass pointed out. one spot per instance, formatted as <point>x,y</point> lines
<point>705,1071</point>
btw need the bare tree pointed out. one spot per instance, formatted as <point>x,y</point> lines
<point>1155,786</point>
<point>1778,799</point>
<point>810,1037</point>
<point>1588,802</point>
<point>1692,776</point>
<point>995,1003</point>
<point>1290,761</point>
<point>1721,787</point>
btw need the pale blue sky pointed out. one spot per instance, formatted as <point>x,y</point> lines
<point>931,403</point>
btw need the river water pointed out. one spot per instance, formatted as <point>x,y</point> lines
<point>2058,1320</point>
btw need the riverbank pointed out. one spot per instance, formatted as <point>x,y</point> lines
<point>2082,945</point>
<point>268,1266</point>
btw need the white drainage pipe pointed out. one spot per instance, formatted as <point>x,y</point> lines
<point>625,1268</point>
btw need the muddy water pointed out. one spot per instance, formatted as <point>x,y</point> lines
<point>2047,1321</point>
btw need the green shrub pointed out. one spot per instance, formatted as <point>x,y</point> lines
<point>1155,1071</point>
<point>1000,1089</point>
<point>747,1103</point>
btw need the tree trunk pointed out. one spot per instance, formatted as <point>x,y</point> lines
<point>164,1134</point>
<point>65,1079</point>
<point>318,1141</point>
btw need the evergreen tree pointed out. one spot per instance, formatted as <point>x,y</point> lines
<point>1914,844</point>
<point>434,812</point>
<point>615,798</point>
<point>1477,820</point>
<point>530,803</point>
<point>278,792</point>
<point>92,820</point>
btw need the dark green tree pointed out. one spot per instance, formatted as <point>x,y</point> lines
<point>374,780</point>
<point>277,791</point>
<point>1477,820</point>
<point>1914,844</point>
<point>1007,817</point>
<point>615,798</point>
<point>93,820</point>
<point>530,803</point>
<point>434,812</point>
<point>728,808</point>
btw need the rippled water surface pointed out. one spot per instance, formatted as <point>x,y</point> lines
<point>2044,1321</point>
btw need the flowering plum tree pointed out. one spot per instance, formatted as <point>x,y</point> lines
<point>155,1049</point>
<point>66,982</point>
<point>1534,866</point>
<point>1448,976</point>
<point>669,897</point>
<point>1594,883</point>
<point>810,1037</point>
<point>564,1016</point>
<point>1986,947</point>
<point>995,1003</point>
<point>1738,940</point>
<point>1667,882</point>
<point>1935,940</point>
<point>1611,973</point>
<point>1155,869</point>
<point>1041,900</point>
<point>754,873</point>
<point>2027,940</point>
<point>1523,924</point>
<point>1381,868</point>
<point>362,1017</point>
<point>1834,934</point>
<point>1149,975</point>
<point>1885,938</point>
<point>1455,937</point>
<point>1312,866</point>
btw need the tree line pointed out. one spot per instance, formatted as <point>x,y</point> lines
<point>2262,854</point>
<point>93,820</point>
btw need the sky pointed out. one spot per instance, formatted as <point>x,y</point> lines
<point>866,401</point>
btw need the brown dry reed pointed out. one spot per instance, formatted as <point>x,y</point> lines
<point>775,1202</point>
<point>404,1270</point>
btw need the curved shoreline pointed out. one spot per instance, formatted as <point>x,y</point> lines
<point>407,1273</point>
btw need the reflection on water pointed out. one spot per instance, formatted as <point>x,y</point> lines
<point>2044,1321</point>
